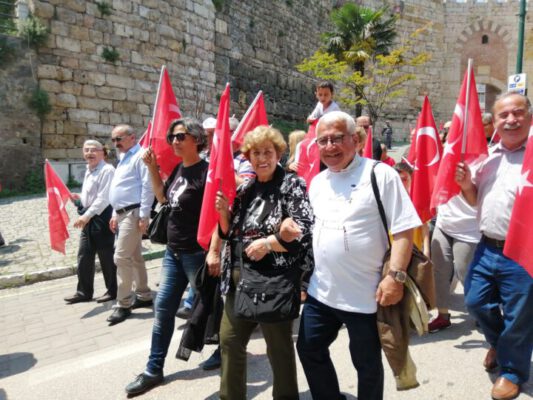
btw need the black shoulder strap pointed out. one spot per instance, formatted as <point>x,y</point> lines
<point>377,195</point>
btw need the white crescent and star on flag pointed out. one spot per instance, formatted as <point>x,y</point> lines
<point>54,190</point>
<point>431,133</point>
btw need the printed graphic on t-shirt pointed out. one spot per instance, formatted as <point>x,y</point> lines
<point>176,190</point>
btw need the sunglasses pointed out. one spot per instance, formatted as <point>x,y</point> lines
<point>180,137</point>
<point>117,139</point>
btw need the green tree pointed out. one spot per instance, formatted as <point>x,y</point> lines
<point>7,10</point>
<point>359,34</point>
<point>384,81</point>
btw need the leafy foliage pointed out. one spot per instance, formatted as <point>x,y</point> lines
<point>6,50</point>
<point>384,81</point>
<point>110,54</point>
<point>33,31</point>
<point>40,103</point>
<point>104,8</point>
<point>33,184</point>
<point>219,4</point>
<point>7,25</point>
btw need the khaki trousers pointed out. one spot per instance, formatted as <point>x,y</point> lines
<point>130,263</point>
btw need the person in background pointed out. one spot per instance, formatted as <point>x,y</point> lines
<point>445,129</point>
<point>96,237</point>
<point>324,94</point>
<point>365,122</point>
<point>387,134</point>
<point>131,197</point>
<point>385,157</point>
<point>209,126</point>
<point>499,291</point>
<point>295,137</point>
<point>488,128</point>
<point>184,190</point>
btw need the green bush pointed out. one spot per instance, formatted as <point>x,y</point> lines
<point>287,126</point>
<point>219,4</point>
<point>110,54</point>
<point>7,24</point>
<point>40,102</point>
<point>33,184</point>
<point>33,31</point>
<point>104,8</point>
<point>6,51</point>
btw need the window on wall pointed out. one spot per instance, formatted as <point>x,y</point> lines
<point>484,39</point>
<point>481,91</point>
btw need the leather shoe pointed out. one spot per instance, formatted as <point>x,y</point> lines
<point>490,363</point>
<point>504,389</point>
<point>119,315</point>
<point>183,312</point>
<point>212,362</point>
<point>105,297</point>
<point>143,383</point>
<point>138,303</point>
<point>77,298</point>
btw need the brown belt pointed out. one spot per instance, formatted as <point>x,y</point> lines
<point>499,244</point>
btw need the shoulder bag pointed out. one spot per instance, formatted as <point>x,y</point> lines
<point>420,267</point>
<point>157,230</point>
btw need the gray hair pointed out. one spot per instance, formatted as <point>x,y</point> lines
<point>127,129</point>
<point>486,118</point>
<point>337,116</point>
<point>93,143</point>
<point>513,93</point>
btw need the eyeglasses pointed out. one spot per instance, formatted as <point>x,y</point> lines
<point>180,137</point>
<point>334,140</point>
<point>91,150</point>
<point>118,139</point>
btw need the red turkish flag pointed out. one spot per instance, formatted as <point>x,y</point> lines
<point>57,195</point>
<point>426,163</point>
<point>476,144</point>
<point>144,141</point>
<point>166,110</point>
<point>255,116</point>
<point>309,158</point>
<point>519,240</point>
<point>367,152</point>
<point>220,175</point>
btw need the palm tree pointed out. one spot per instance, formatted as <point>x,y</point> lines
<point>359,34</point>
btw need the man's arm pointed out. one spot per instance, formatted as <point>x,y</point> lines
<point>389,291</point>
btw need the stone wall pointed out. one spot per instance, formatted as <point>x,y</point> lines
<point>252,44</point>
<point>20,150</point>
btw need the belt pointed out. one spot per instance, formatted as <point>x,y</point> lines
<point>128,208</point>
<point>499,244</point>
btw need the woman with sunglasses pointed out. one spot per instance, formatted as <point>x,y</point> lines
<point>184,190</point>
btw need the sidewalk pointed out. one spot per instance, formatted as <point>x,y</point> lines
<point>53,351</point>
<point>27,256</point>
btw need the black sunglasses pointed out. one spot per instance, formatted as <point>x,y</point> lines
<point>117,139</point>
<point>180,137</point>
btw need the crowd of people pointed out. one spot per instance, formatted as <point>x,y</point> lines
<point>324,243</point>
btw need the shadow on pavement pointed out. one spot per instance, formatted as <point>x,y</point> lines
<point>15,363</point>
<point>3,395</point>
<point>98,310</point>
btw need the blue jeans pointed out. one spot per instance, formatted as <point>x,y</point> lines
<point>319,327</point>
<point>495,279</point>
<point>177,271</point>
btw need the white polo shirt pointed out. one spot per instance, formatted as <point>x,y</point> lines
<point>349,240</point>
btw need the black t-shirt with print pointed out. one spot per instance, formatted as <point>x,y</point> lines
<point>184,191</point>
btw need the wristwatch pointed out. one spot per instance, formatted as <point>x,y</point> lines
<point>398,276</point>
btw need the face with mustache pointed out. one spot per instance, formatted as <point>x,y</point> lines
<point>512,120</point>
<point>93,155</point>
<point>122,140</point>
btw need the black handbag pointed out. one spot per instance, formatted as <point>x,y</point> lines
<point>267,298</point>
<point>157,230</point>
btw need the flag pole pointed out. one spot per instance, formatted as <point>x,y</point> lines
<point>237,130</point>
<point>155,104</point>
<point>467,101</point>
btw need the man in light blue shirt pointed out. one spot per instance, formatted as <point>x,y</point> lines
<point>131,197</point>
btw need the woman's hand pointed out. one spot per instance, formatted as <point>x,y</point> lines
<point>257,249</point>
<point>289,230</point>
<point>222,204</point>
<point>149,159</point>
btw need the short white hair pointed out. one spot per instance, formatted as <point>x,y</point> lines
<point>93,143</point>
<point>337,116</point>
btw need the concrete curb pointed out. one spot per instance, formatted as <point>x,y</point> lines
<point>14,280</point>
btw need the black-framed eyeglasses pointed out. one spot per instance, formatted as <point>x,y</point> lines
<point>180,137</point>
<point>118,139</point>
<point>333,139</point>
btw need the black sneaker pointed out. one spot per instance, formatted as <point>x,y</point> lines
<point>212,362</point>
<point>143,383</point>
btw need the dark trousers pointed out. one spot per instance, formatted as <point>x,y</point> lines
<point>86,268</point>
<point>319,327</point>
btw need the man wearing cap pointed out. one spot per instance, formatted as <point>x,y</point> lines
<point>96,237</point>
<point>131,197</point>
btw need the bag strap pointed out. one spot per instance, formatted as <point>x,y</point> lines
<point>375,189</point>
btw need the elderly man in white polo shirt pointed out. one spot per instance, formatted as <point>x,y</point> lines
<point>349,243</point>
